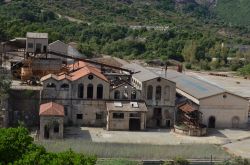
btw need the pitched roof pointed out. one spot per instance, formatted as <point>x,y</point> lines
<point>76,71</point>
<point>51,109</point>
<point>194,87</point>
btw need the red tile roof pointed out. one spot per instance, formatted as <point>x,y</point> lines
<point>51,109</point>
<point>78,70</point>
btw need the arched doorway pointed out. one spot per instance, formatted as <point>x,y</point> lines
<point>46,132</point>
<point>235,122</point>
<point>211,122</point>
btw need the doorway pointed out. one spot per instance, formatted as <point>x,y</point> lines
<point>168,123</point>
<point>46,132</point>
<point>211,122</point>
<point>158,116</point>
<point>235,122</point>
<point>134,124</point>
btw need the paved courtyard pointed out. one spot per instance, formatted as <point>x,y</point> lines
<point>154,136</point>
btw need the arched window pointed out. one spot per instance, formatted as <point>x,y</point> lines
<point>167,92</point>
<point>125,95</point>
<point>211,122</point>
<point>65,86</point>
<point>133,95</point>
<point>80,91</point>
<point>117,94</point>
<point>51,85</point>
<point>158,93</point>
<point>99,92</point>
<point>150,92</point>
<point>90,91</point>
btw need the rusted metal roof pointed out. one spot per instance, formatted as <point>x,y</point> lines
<point>51,109</point>
<point>186,108</point>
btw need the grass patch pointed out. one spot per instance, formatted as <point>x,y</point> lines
<point>116,162</point>
<point>136,151</point>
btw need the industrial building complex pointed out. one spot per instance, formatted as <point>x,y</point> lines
<point>54,86</point>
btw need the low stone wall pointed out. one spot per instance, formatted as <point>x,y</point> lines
<point>190,131</point>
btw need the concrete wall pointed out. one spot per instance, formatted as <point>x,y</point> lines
<point>224,109</point>
<point>123,124</point>
<point>49,120</point>
<point>42,41</point>
<point>168,92</point>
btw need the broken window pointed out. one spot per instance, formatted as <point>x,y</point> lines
<point>78,116</point>
<point>158,93</point>
<point>150,92</point>
<point>133,95</point>
<point>65,86</point>
<point>99,91</point>
<point>125,95</point>
<point>51,85</point>
<point>80,91</point>
<point>118,115</point>
<point>117,94</point>
<point>90,91</point>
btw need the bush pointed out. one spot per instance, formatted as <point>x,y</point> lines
<point>188,66</point>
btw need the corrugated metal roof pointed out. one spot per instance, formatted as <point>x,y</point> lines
<point>143,73</point>
<point>190,85</point>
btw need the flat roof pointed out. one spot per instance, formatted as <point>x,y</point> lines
<point>37,35</point>
<point>126,106</point>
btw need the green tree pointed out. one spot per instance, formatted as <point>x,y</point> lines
<point>14,142</point>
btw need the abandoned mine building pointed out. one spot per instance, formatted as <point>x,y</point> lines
<point>54,86</point>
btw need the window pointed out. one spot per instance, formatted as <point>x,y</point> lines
<point>150,92</point>
<point>118,115</point>
<point>65,86</point>
<point>90,77</point>
<point>78,116</point>
<point>51,85</point>
<point>98,116</point>
<point>80,91</point>
<point>158,93</point>
<point>38,47</point>
<point>125,95</point>
<point>99,91</point>
<point>133,95</point>
<point>30,45</point>
<point>90,91</point>
<point>117,94</point>
<point>66,110</point>
<point>167,92</point>
<point>56,127</point>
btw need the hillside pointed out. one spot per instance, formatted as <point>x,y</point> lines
<point>185,30</point>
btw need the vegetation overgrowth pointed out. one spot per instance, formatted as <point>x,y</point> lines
<point>193,33</point>
<point>17,147</point>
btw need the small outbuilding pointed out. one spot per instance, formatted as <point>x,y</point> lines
<point>126,116</point>
<point>51,121</point>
